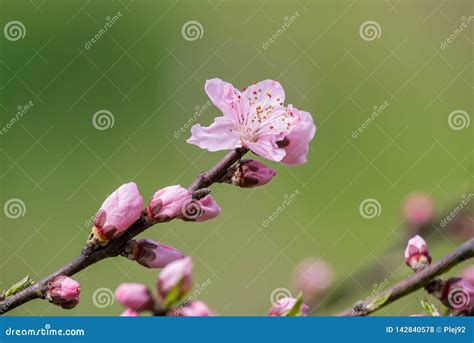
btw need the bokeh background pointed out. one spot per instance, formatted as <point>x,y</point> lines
<point>150,77</point>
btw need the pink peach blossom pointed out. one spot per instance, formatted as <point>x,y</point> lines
<point>256,119</point>
<point>209,209</point>
<point>174,281</point>
<point>134,296</point>
<point>153,254</point>
<point>64,291</point>
<point>120,210</point>
<point>312,277</point>
<point>252,173</point>
<point>418,209</point>
<point>167,203</point>
<point>416,254</point>
<point>195,309</point>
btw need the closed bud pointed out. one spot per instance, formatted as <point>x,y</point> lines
<point>194,309</point>
<point>252,173</point>
<point>167,203</point>
<point>288,307</point>
<point>152,254</point>
<point>175,281</point>
<point>134,296</point>
<point>63,291</point>
<point>417,256</point>
<point>118,212</point>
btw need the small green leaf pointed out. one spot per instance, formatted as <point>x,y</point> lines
<point>20,285</point>
<point>378,301</point>
<point>429,308</point>
<point>295,310</point>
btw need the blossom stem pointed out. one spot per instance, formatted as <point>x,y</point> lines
<point>92,254</point>
<point>417,281</point>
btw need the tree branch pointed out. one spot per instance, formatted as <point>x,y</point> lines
<point>93,254</point>
<point>415,282</point>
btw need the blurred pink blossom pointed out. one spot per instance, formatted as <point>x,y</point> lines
<point>283,306</point>
<point>175,281</point>
<point>134,296</point>
<point>129,313</point>
<point>153,254</point>
<point>312,277</point>
<point>418,209</point>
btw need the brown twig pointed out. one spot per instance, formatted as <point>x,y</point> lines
<point>415,282</point>
<point>93,254</point>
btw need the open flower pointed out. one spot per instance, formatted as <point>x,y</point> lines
<point>256,119</point>
<point>120,210</point>
<point>64,291</point>
<point>152,254</point>
<point>134,296</point>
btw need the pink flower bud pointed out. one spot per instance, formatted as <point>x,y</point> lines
<point>418,209</point>
<point>195,309</point>
<point>417,256</point>
<point>174,281</point>
<point>252,173</point>
<point>312,277</point>
<point>152,254</point>
<point>134,296</point>
<point>283,306</point>
<point>64,291</point>
<point>129,313</point>
<point>457,294</point>
<point>120,210</point>
<point>468,274</point>
<point>167,203</point>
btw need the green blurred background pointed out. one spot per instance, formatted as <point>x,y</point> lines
<point>151,79</point>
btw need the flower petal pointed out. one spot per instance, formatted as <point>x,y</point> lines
<point>220,135</point>
<point>299,138</point>
<point>224,96</point>
<point>266,148</point>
